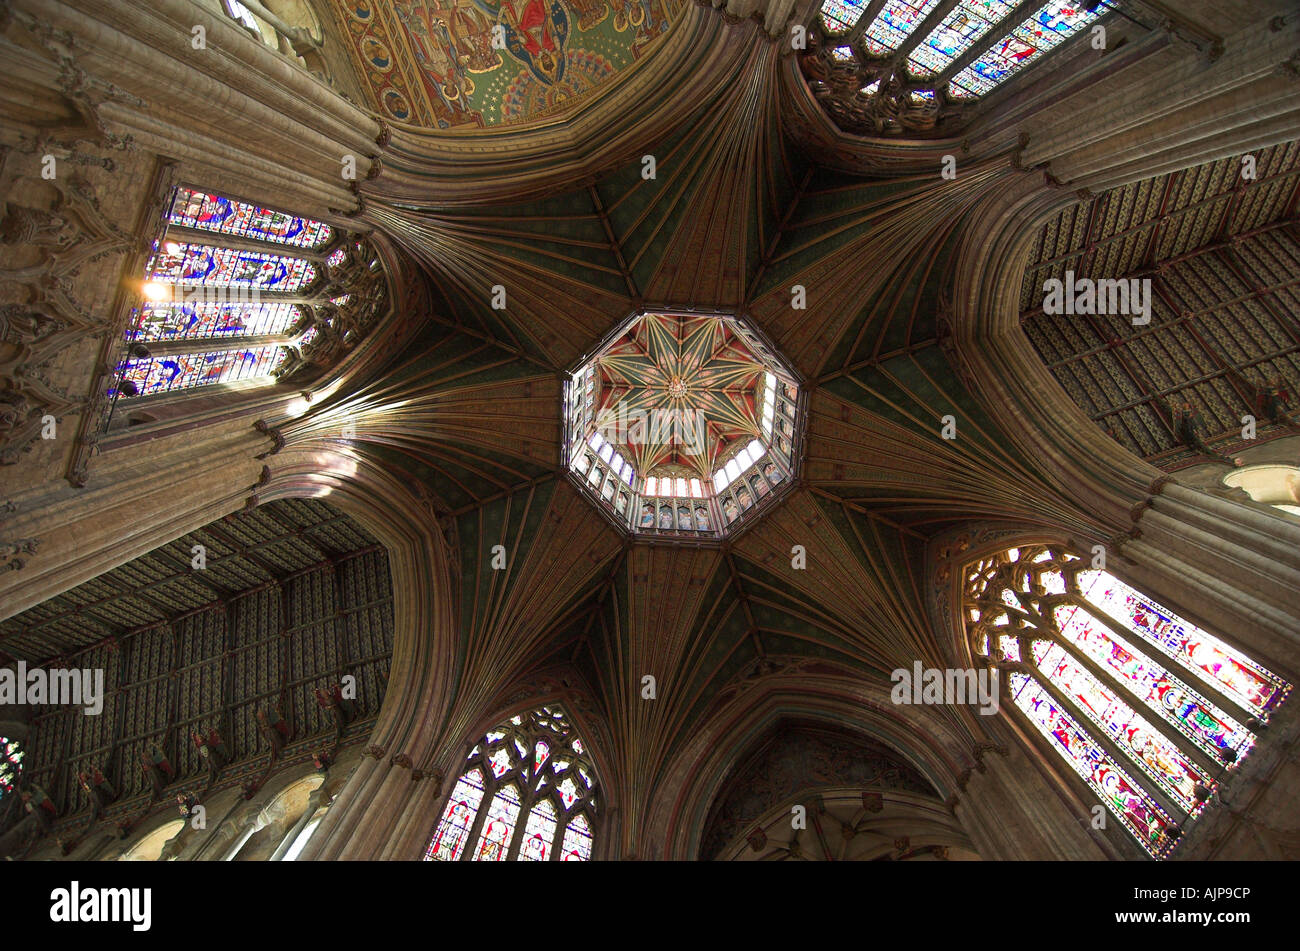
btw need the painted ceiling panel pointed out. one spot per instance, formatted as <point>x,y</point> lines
<point>479,63</point>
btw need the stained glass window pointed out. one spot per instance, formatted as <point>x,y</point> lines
<point>1106,675</point>
<point>180,371</point>
<point>197,292</point>
<point>929,57</point>
<point>1044,31</point>
<point>206,320</point>
<point>207,212</point>
<point>198,265</point>
<point>11,764</point>
<point>577,841</point>
<point>539,787</point>
<point>457,818</point>
<point>539,833</point>
<point>964,25</point>
<point>894,24</point>
<point>840,15</point>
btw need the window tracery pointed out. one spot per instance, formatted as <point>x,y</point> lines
<point>234,292</point>
<point>528,793</point>
<point>907,66</point>
<point>1148,709</point>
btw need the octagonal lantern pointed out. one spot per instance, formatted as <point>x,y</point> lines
<point>683,425</point>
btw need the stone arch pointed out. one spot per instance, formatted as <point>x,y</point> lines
<point>798,762</point>
<point>554,687</point>
<point>278,819</point>
<point>148,847</point>
<point>988,794</point>
<point>854,826</point>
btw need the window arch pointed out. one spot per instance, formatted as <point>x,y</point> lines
<point>901,65</point>
<point>1148,709</point>
<point>1272,484</point>
<point>150,847</point>
<point>234,292</point>
<point>527,793</point>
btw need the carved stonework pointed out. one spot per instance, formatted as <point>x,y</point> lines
<point>870,98</point>
<point>796,760</point>
<point>49,233</point>
<point>23,546</point>
<point>83,96</point>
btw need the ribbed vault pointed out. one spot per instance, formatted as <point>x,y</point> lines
<point>692,181</point>
<point>731,214</point>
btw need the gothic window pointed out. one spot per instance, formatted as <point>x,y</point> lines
<point>528,793</point>
<point>237,293</point>
<point>915,62</point>
<point>207,212</point>
<point>11,764</point>
<point>1148,709</point>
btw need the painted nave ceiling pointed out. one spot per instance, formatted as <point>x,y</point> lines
<point>492,358</point>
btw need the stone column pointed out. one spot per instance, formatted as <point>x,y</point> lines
<point>313,804</point>
<point>1010,812</point>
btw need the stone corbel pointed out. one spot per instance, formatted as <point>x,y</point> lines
<point>273,434</point>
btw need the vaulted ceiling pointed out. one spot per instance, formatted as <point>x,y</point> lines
<point>729,215</point>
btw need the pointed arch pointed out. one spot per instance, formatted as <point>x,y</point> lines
<point>1150,711</point>
<point>528,792</point>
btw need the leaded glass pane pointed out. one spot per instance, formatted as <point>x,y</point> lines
<point>895,23</point>
<point>457,819</point>
<point>1044,31</point>
<point>201,265</point>
<point>968,22</point>
<point>184,371</point>
<point>206,320</point>
<point>1140,813</point>
<point>208,212</point>
<point>539,833</point>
